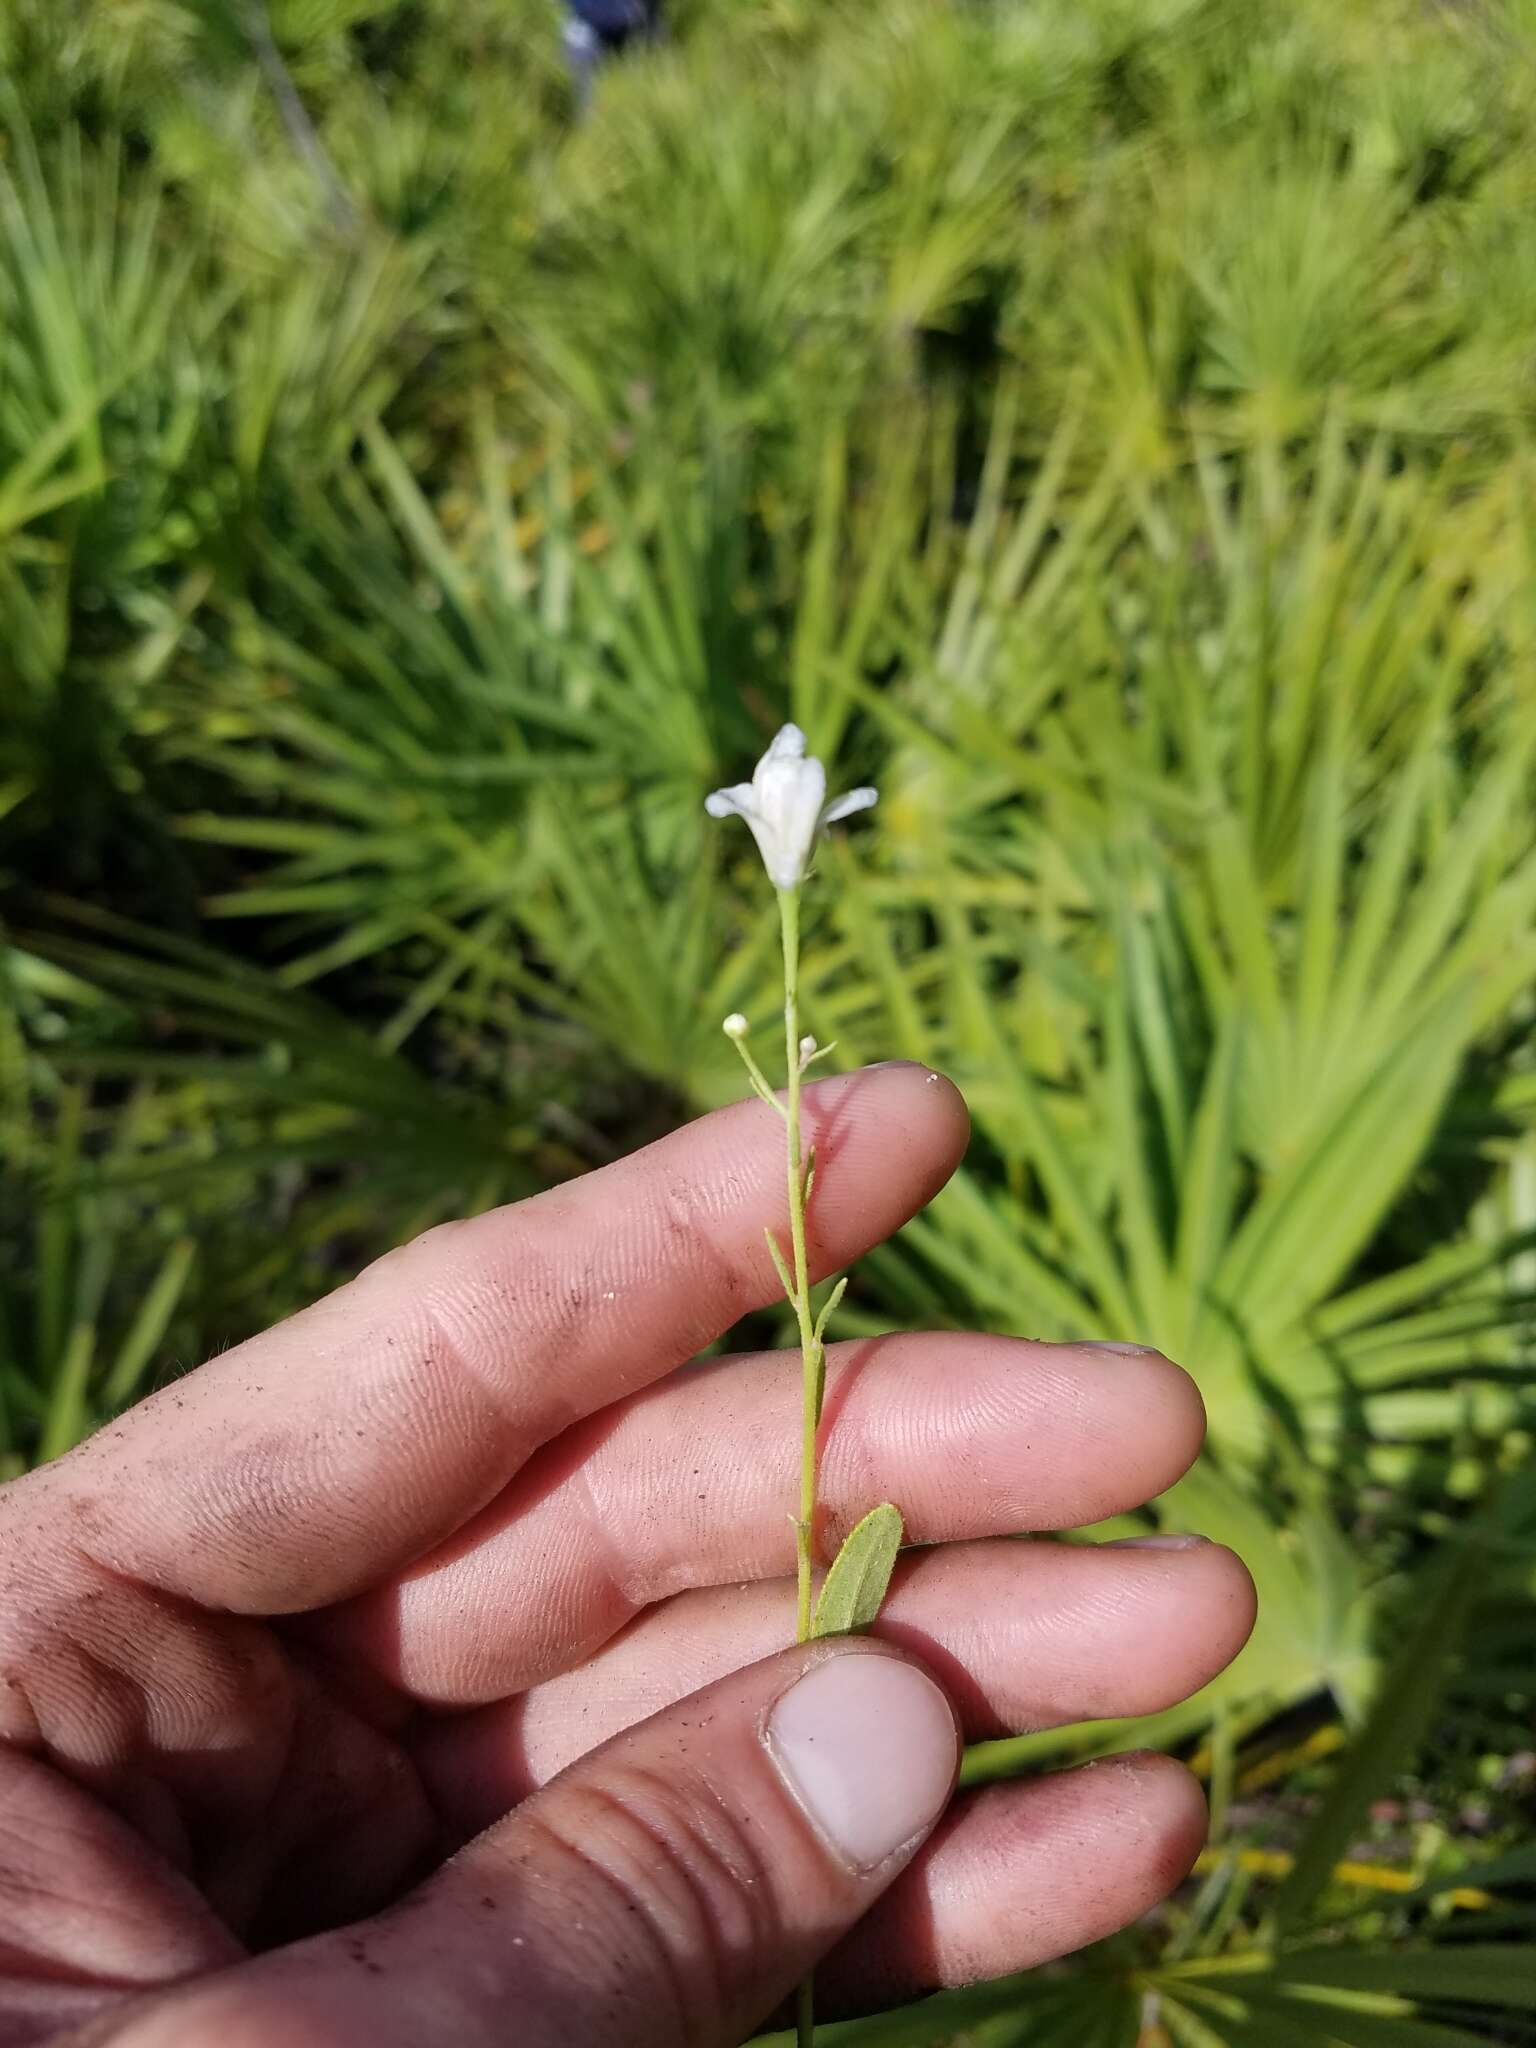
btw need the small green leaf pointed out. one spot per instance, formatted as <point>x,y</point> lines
<point>786,1280</point>
<point>855,1586</point>
<point>829,1308</point>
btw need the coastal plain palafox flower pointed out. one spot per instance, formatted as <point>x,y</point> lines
<point>785,806</point>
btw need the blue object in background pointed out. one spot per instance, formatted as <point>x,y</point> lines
<point>595,29</point>
<point>614,20</point>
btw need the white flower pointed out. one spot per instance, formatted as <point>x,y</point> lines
<point>784,804</point>
<point>736,1026</point>
<point>807,1050</point>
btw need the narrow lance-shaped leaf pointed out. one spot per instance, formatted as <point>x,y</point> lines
<point>829,1309</point>
<point>818,1339</point>
<point>1411,1689</point>
<point>786,1278</point>
<point>136,1352</point>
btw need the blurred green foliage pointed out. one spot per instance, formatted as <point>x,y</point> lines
<point>1104,426</point>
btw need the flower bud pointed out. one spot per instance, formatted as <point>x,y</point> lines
<point>736,1026</point>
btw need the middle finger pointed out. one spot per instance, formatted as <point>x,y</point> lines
<point>690,1484</point>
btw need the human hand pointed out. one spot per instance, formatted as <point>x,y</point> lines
<point>454,1565</point>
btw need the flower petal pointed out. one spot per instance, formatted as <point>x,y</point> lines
<point>845,806</point>
<point>785,806</point>
<point>735,802</point>
<point>787,744</point>
<point>787,787</point>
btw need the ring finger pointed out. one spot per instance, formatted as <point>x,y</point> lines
<point>1022,1635</point>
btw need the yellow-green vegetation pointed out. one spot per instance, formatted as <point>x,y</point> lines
<point>1103,425</point>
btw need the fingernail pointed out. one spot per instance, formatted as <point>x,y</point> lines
<point>1123,1350</point>
<point>1170,1542</point>
<point>868,1747</point>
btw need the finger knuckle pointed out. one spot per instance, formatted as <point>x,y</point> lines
<point>674,1892</point>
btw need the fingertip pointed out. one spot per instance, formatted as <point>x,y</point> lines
<point>1168,1404</point>
<point>1208,1571</point>
<point>1239,1595</point>
<point>1171,1811</point>
<point>1173,1410</point>
<point>1021,1872</point>
<point>1182,1392</point>
<point>1195,1592</point>
<point>869,1744</point>
<point>912,1106</point>
<point>941,1100</point>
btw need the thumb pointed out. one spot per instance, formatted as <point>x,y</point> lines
<point>671,1888</point>
<point>683,1878</point>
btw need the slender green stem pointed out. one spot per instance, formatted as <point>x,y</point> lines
<point>757,1077</point>
<point>789,920</point>
<point>810,1342</point>
<point>805,2012</point>
<point>800,1301</point>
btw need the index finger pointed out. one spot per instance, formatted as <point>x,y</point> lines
<point>339,1446</point>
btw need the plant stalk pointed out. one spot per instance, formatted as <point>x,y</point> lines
<point>810,1344</point>
<point>800,1301</point>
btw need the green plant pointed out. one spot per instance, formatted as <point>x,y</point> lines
<point>1104,427</point>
